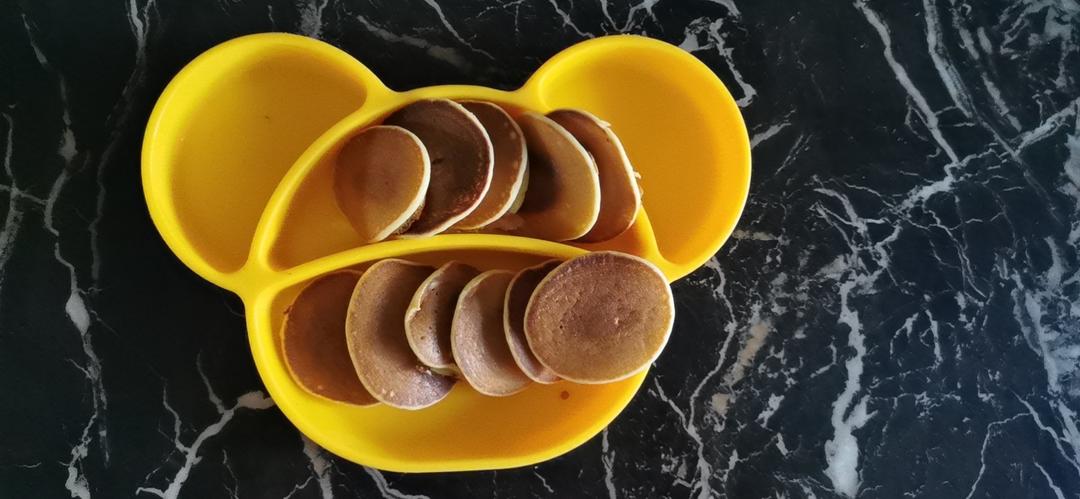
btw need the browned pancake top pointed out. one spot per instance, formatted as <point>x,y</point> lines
<point>431,312</point>
<point>375,332</point>
<point>313,340</point>
<point>477,337</point>
<point>380,180</point>
<point>600,317</point>
<point>461,161</point>
<point>620,197</point>
<point>563,198</point>
<point>508,173</point>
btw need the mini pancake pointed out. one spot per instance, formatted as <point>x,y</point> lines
<point>600,317</point>
<point>563,200</point>
<point>477,338</point>
<point>461,161</point>
<point>375,334</point>
<point>380,180</point>
<point>313,340</point>
<point>517,298</point>
<point>508,172</point>
<point>431,313</point>
<point>620,197</point>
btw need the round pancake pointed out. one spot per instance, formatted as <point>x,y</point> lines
<point>517,298</point>
<point>380,180</point>
<point>375,333</point>
<point>461,161</point>
<point>431,313</point>
<point>600,317</point>
<point>477,338</point>
<point>620,198</point>
<point>563,199</point>
<point>313,340</point>
<point>508,172</point>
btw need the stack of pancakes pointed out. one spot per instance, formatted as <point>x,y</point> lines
<point>438,165</point>
<point>403,333</point>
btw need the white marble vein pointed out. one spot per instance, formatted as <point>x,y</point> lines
<point>75,306</point>
<point>842,451</point>
<point>231,488</point>
<point>729,5</point>
<point>568,21</point>
<point>1058,493</point>
<point>645,6</point>
<point>320,467</point>
<point>939,55</point>
<point>769,133</point>
<point>703,470</point>
<point>386,490</point>
<point>710,30</point>
<point>972,47</point>
<point>607,457</point>
<point>140,19</point>
<point>770,408</point>
<point>544,482</point>
<point>453,31</point>
<point>76,483</point>
<point>13,219</point>
<point>254,400</point>
<point>926,114</point>
<point>991,432</point>
<point>850,413</point>
<point>1058,19</point>
<point>448,55</point>
<point>1049,125</point>
<point>311,17</point>
<point>607,14</point>
<point>1060,441</point>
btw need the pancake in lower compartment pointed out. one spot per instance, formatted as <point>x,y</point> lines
<point>477,338</point>
<point>375,333</point>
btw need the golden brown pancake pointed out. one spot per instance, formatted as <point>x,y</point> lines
<point>461,161</point>
<point>509,166</point>
<point>313,340</point>
<point>517,298</point>
<point>431,313</point>
<point>600,317</point>
<point>375,333</point>
<point>380,180</point>
<point>563,199</point>
<point>620,197</point>
<point>477,338</point>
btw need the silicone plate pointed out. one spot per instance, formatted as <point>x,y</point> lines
<point>237,163</point>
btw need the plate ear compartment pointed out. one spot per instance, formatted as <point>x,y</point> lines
<point>227,129</point>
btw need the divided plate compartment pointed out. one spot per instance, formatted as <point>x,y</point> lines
<point>237,172</point>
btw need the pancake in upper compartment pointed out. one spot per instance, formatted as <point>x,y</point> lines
<point>600,317</point>
<point>477,338</point>
<point>375,333</point>
<point>620,197</point>
<point>517,298</point>
<point>313,340</point>
<point>508,173</point>
<point>380,179</point>
<point>461,161</point>
<point>563,198</point>
<point>431,313</point>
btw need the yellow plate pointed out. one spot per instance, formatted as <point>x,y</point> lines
<point>237,169</point>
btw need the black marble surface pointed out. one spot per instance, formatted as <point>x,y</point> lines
<point>898,314</point>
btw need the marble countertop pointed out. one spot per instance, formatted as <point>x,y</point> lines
<point>897,315</point>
